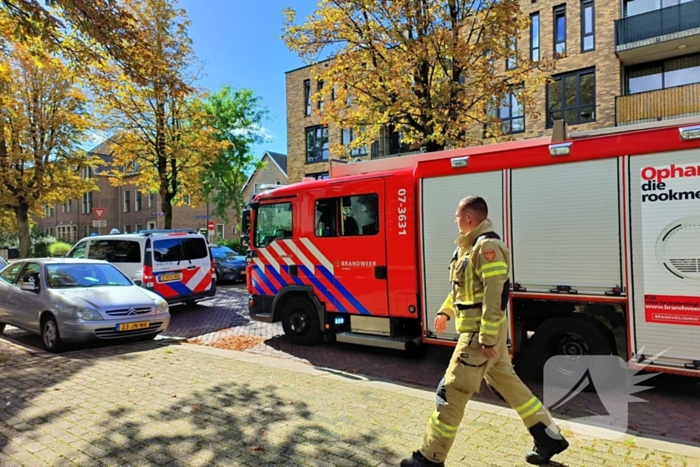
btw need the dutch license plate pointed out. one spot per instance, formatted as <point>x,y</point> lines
<point>132,326</point>
<point>170,277</point>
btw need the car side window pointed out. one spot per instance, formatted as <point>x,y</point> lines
<point>10,273</point>
<point>78,251</point>
<point>30,274</point>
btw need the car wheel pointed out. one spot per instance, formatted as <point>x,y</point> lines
<point>50,336</point>
<point>300,321</point>
<point>2,328</point>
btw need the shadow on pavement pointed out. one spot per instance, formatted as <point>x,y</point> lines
<point>669,413</point>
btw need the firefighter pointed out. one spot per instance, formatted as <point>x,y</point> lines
<point>479,274</point>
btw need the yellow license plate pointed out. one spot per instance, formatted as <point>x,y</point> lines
<point>170,277</point>
<point>132,326</point>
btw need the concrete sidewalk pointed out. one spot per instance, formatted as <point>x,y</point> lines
<point>188,405</point>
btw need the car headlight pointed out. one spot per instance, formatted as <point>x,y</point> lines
<point>87,314</point>
<point>161,307</point>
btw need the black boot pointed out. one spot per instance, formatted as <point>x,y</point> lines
<point>417,460</point>
<point>546,446</point>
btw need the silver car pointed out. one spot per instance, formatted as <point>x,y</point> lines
<point>69,300</point>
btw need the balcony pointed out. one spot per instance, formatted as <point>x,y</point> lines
<point>663,104</point>
<point>659,33</point>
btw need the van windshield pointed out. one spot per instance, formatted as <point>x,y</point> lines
<point>179,249</point>
<point>272,222</point>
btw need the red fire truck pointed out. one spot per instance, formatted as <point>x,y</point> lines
<point>603,229</point>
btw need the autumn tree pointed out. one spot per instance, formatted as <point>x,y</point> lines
<point>237,117</point>
<point>161,125</point>
<point>43,120</point>
<point>85,30</point>
<point>433,69</point>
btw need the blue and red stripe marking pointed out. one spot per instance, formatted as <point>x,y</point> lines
<point>268,281</point>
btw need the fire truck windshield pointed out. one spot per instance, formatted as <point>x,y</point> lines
<point>272,222</point>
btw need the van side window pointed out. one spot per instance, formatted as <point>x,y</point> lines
<point>78,251</point>
<point>195,248</point>
<point>347,216</point>
<point>115,251</point>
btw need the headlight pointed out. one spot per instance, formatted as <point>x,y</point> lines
<point>87,314</point>
<point>161,307</point>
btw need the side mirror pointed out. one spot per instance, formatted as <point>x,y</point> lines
<point>29,286</point>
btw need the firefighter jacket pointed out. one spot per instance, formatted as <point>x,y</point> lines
<point>480,278</point>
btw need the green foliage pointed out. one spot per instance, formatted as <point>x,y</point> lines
<point>59,248</point>
<point>234,244</point>
<point>238,115</point>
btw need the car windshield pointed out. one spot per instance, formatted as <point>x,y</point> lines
<point>223,252</point>
<point>67,275</point>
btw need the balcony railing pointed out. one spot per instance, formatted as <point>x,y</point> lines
<point>664,104</point>
<point>658,23</point>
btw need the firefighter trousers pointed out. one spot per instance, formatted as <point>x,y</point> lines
<point>468,367</point>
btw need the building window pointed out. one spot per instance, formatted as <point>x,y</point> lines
<point>127,228</point>
<point>664,74</point>
<point>220,231</point>
<point>151,226</point>
<point>316,144</point>
<point>151,200</point>
<point>510,115</point>
<point>127,201</point>
<point>49,231</point>
<point>535,37</point>
<point>256,187</point>
<point>347,136</point>
<point>86,172</point>
<point>320,98</point>
<point>587,26</point>
<point>512,61</point>
<point>318,175</point>
<point>87,203</point>
<point>560,29</point>
<point>138,202</point>
<point>86,230</point>
<point>307,98</point>
<point>347,217</point>
<point>138,228</point>
<point>571,97</point>
<point>636,7</point>
<point>67,206</point>
<point>278,182</point>
<point>48,210</point>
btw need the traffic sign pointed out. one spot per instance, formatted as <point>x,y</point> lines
<point>99,212</point>
<point>202,217</point>
<point>211,226</point>
<point>98,223</point>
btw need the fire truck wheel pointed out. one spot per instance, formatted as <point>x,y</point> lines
<point>300,321</point>
<point>567,336</point>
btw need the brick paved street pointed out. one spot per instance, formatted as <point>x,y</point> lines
<point>670,414</point>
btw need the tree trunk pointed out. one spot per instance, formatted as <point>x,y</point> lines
<point>432,146</point>
<point>166,206</point>
<point>25,239</point>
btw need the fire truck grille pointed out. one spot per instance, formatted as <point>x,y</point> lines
<point>686,265</point>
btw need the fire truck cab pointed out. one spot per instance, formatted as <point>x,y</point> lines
<point>603,229</point>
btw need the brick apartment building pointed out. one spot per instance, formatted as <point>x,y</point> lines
<point>126,208</point>
<point>627,61</point>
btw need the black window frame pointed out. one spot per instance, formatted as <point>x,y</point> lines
<point>586,4</point>
<point>663,63</point>
<point>549,122</point>
<point>138,201</point>
<point>320,104</point>
<point>314,150</point>
<point>127,201</point>
<point>319,175</point>
<point>512,62</point>
<point>535,34</point>
<point>361,151</point>
<point>559,10</point>
<point>307,98</point>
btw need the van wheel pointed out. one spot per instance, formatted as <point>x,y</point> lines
<point>300,321</point>
<point>50,336</point>
<point>575,338</point>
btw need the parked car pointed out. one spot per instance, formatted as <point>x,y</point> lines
<point>78,300</point>
<point>230,265</point>
<point>3,263</point>
<point>175,264</point>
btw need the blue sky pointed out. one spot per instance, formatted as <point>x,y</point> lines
<point>239,41</point>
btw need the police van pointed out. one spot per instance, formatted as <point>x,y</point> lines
<point>176,264</point>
